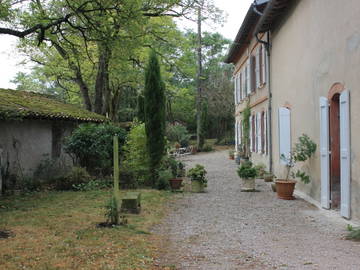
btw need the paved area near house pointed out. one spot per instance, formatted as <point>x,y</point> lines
<point>226,229</point>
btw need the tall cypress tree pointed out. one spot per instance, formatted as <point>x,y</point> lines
<point>154,107</point>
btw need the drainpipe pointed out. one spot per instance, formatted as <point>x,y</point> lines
<point>269,118</point>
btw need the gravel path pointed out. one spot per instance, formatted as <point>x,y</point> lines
<point>226,229</point>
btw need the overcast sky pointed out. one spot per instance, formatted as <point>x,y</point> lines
<point>10,59</point>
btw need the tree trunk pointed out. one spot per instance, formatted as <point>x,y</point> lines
<point>199,140</point>
<point>102,89</point>
<point>83,89</point>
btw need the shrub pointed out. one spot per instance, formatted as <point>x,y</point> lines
<point>91,146</point>
<point>136,160</point>
<point>246,170</point>
<point>162,182</point>
<point>76,176</point>
<point>178,133</point>
<point>93,185</point>
<point>207,148</point>
<point>198,174</point>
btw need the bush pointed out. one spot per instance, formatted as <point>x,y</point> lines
<point>91,146</point>
<point>207,148</point>
<point>75,177</point>
<point>247,171</point>
<point>162,182</point>
<point>178,133</point>
<point>198,174</point>
<point>93,185</point>
<point>136,160</point>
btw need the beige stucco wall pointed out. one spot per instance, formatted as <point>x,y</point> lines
<point>317,45</point>
<point>258,99</point>
<point>24,144</point>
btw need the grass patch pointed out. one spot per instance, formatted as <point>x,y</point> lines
<point>57,230</point>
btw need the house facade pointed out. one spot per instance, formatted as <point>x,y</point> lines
<point>251,89</point>
<point>32,130</point>
<point>314,65</point>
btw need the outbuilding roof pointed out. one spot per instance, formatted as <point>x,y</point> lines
<point>15,104</point>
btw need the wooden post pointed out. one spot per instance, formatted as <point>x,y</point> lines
<point>116,167</point>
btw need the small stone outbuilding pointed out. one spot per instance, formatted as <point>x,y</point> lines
<point>32,130</point>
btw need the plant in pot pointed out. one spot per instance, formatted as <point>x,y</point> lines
<point>178,172</point>
<point>231,154</point>
<point>247,172</point>
<point>260,168</point>
<point>268,177</point>
<point>301,152</point>
<point>198,179</point>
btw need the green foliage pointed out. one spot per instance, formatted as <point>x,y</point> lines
<point>301,152</point>
<point>48,170</point>
<point>112,211</point>
<point>178,133</point>
<point>140,108</point>
<point>75,177</point>
<point>136,159</point>
<point>260,169</point>
<point>207,148</point>
<point>96,184</point>
<point>354,233</point>
<point>91,145</point>
<point>203,124</point>
<point>154,105</point>
<point>162,182</point>
<point>198,173</point>
<point>247,171</point>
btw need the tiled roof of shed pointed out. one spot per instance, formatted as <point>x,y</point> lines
<point>15,104</point>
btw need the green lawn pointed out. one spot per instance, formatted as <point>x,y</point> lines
<point>57,230</point>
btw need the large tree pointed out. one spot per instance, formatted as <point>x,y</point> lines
<point>154,107</point>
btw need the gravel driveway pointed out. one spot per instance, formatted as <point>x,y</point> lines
<point>228,229</point>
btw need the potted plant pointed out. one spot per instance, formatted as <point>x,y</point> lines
<point>231,154</point>
<point>247,173</point>
<point>178,172</point>
<point>260,168</point>
<point>301,152</point>
<point>198,179</point>
<point>268,177</point>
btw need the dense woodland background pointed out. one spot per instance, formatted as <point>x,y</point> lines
<point>93,53</point>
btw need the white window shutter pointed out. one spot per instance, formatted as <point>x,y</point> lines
<point>324,153</point>
<point>235,92</point>
<point>238,87</point>
<point>265,133</point>
<point>257,67</point>
<point>243,78</point>
<point>259,144</point>
<point>240,132</point>
<point>345,153</point>
<point>284,133</point>
<point>263,64</point>
<point>251,133</point>
<point>236,135</point>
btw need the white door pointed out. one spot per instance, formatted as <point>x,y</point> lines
<point>345,154</point>
<point>324,153</point>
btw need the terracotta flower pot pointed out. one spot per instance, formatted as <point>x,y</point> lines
<point>268,177</point>
<point>285,189</point>
<point>175,183</point>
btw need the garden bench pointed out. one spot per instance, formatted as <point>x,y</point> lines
<point>131,203</point>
